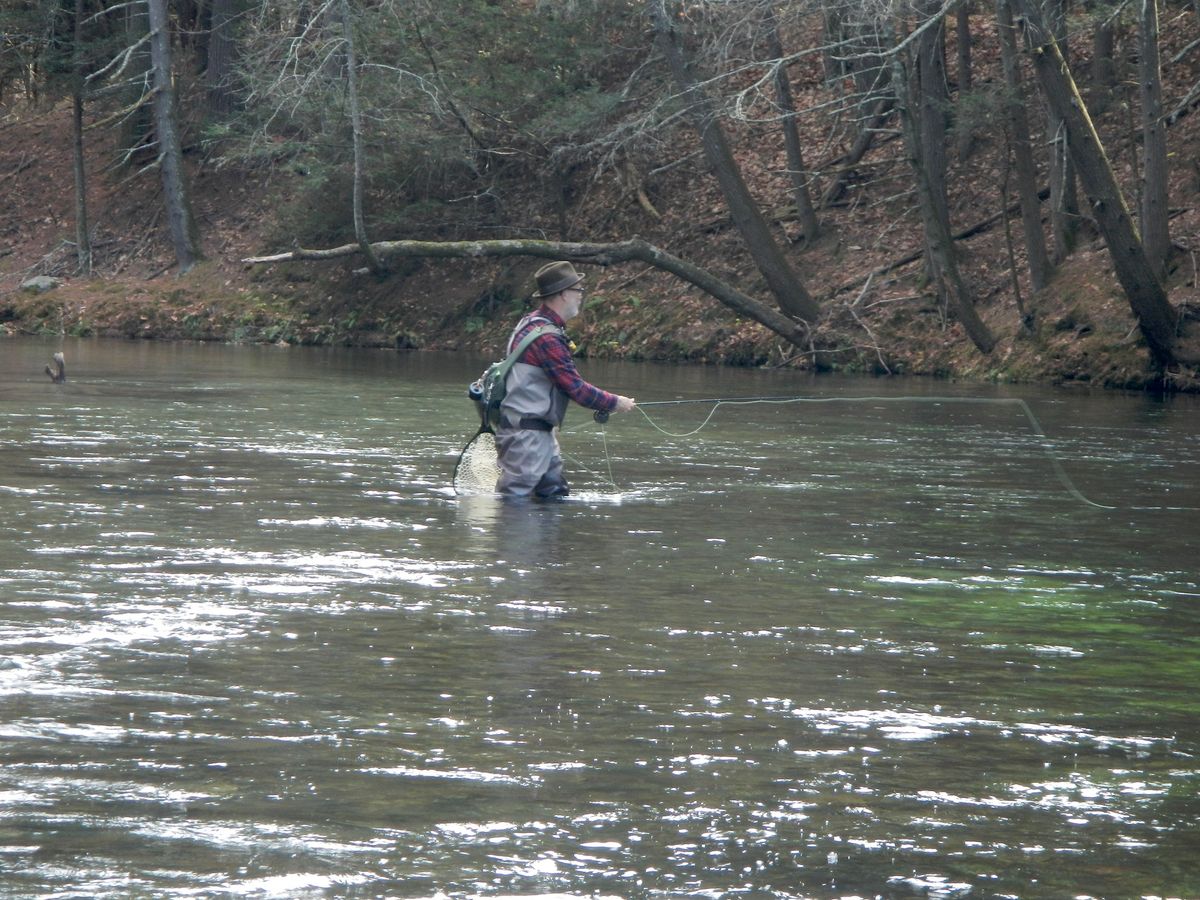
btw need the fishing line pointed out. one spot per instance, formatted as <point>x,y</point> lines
<point>717,402</point>
<point>607,457</point>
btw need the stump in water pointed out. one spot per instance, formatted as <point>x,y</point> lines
<point>59,373</point>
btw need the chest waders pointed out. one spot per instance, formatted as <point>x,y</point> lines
<point>527,440</point>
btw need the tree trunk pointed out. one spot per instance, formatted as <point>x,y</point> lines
<point>1026,317</point>
<point>785,284</point>
<point>179,211</point>
<point>83,243</point>
<point>944,268</point>
<point>598,254</point>
<point>834,67</point>
<point>1104,67</point>
<point>1141,284</point>
<point>1026,168</point>
<point>1156,237</point>
<point>932,101</point>
<point>1064,200</point>
<point>964,130</point>
<point>222,49</point>
<point>962,26</point>
<point>807,214</point>
<point>360,226</point>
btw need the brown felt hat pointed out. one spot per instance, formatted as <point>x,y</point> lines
<point>555,277</point>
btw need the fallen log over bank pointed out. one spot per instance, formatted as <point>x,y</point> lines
<point>792,330</point>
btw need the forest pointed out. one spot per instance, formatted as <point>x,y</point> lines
<point>979,189</point>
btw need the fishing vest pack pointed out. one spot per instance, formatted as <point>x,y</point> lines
<point>489,390</point>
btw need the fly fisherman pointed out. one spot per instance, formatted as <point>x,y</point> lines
<point>538,387</point>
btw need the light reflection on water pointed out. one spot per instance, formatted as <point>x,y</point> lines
<point>252,645</point>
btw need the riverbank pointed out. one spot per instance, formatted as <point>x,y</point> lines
<point>880,317</point>
<point>1082,331</point>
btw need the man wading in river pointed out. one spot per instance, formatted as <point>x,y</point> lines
<point>538,387</point>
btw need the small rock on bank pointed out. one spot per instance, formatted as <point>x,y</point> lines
<point>39,284</point>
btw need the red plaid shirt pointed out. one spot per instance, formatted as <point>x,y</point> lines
<point>552,352</point>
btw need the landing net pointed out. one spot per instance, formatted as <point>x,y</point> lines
<point>477,468</point>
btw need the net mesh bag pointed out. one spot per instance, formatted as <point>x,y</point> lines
<point>478,468</point>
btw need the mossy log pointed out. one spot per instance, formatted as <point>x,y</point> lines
<point>794,331</point>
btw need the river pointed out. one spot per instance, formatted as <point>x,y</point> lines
<point>253,645</point>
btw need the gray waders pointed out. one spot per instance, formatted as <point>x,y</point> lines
<point>530,464</point>
<point>526,441</point>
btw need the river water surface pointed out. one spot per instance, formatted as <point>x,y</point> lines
<point>252,645</point>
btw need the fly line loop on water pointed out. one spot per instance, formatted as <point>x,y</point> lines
<point>718,402</point>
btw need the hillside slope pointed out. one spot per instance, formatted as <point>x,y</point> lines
<point>884,323</point>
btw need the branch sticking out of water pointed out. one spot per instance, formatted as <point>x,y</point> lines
<point>59,373</point>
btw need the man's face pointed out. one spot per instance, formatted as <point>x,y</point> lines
<point>573,300</point>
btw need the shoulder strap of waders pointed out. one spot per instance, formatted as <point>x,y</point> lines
<point>529,320</point>
<point>521,347</point>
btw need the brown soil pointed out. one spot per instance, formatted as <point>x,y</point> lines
<point>1083,330</point>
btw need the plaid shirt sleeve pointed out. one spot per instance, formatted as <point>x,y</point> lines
<point>553,354</point>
